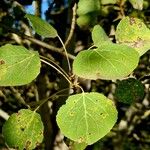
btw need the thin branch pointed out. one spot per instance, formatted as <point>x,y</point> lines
<point>50,47</point>
<point>73,23</point>
<point>3,114</point>
<point>53,95</point>
<point>36,41</point>
<point>63,71</point>
<point>69,66</point>
<point>56,70</point>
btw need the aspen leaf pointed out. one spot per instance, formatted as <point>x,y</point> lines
<point>109,61</point>
<point>42,27</point>
<point>86,117</point>
<point>129,90</point>
<point>18,66</point>
<point>134,33</point>
<point>23,130</point>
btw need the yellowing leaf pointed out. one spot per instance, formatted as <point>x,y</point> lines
<point>109,61</point>
<point>18,65</point>
<point>23,130</point>
<point>134,33</point>
<point>87,117</point>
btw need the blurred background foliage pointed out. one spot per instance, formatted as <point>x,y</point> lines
<point>132,96</point>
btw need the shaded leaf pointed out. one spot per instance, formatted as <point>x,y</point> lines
<point>42,27</point>
<point>23,130</point>
<point>133,32</point>
<point>89,6</point>
<point>129,91</point>
<point>109,61</point>
<point>99,36</point>
<point>18,66</point>
<point>86,117</point>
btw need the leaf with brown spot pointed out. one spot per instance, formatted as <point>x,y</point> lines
<point>94,116</point>
<point>134,33</point>
<point>23,130</point>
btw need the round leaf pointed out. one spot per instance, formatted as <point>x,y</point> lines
<point>133,32</point>
<point>86,117</point>
<point>109,61</point>
<point>23,130</point>
<point>129,90</point>
<point>18,66</point>
<point>42,27</point>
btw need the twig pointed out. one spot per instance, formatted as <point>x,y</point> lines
<point>36,41</point>
<point>73,23</point>
<point>42,60</point>
<point>51,61</point>
<point>66,53</point>
<point>3,114</point>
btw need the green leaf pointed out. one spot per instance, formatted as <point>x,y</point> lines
<point>89,6</point>
<point>106,2</point>
<point>86,21</point>
<point>42,27</point>
<point>109,61</point>
<point>99,36</point>
<point>137,4</point>
<point>23,130</point>
<point>86,117</point>
<point>133,32</point>
<point>129,91</point>
<point>18,66</point>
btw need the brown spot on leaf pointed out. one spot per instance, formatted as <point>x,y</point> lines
<point>41,133</point>
<point>81,140</point>
<point>139,43</point>
<point>2,62</point>
<point>71,114</point>
<point>37,144</point>
<point>101,114</point>
<point>22,129</point>
<point>90,133</point>
<point>132,20</point>
<point>27,145</point>
<point>140,25</point>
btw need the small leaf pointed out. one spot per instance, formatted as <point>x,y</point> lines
<point>109,61</point>
<point>42,27</point>
<point>99,36</point>
<point>134,33</point>
<point>18,66</point>
<point>137,4</point>
<point>23,130</point>
<point>89,6</point>
<point>86,117</point>
<point>129,91</point>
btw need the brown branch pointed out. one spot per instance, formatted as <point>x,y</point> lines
<point>38,42</point>
<point>73,23</point>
